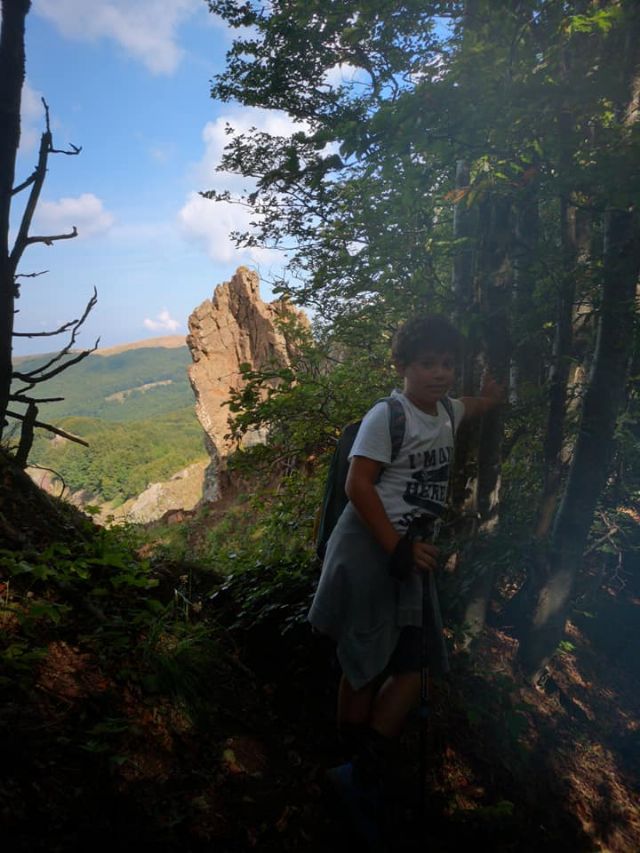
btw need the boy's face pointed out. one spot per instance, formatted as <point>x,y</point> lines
<point>428,378</point>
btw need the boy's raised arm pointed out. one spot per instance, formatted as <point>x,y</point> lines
<point>492,394</point>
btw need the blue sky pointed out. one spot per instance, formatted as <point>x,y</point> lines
<point>128,80</point>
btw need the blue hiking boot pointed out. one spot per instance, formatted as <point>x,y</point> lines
<point>363,804</point>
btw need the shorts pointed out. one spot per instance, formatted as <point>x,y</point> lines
<point>407,655</point>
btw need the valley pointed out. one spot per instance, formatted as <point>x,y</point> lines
<point>134,405</point>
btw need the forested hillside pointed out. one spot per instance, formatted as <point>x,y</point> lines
<point>136,410</point>
<point>128,386</point>
<point>122,458</point>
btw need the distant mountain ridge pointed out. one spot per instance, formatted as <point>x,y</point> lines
<point>167,341</point>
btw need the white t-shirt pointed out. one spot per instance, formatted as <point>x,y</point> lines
<point>415,483</point>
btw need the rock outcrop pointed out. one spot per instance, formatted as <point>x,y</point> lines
<point>182,492</point>
<point>232,328</point>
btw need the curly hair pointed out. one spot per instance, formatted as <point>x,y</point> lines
<point>431,333</point>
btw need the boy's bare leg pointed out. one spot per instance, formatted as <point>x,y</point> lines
<point>354,706</point>
<point>397,697</point>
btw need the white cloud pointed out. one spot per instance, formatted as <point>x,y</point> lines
<point>211,223</point>
<point>86,212</point>
<point>146,29</point>
<point>215,138</point>
<point>163,322</point>
<point>343,75</point>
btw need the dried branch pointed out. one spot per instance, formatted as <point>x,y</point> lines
<point>63,328</point>
<point>30,180</point>
<point>16,283</point>
<point>21,398</point>
<point>56,474</point>
<point>38,176</point>
<point>30,274</point>
<point>74,149</point>
<point>26,389</point>
<point>69,436</point>
<point>612,529</point>
<point>34,380</point>
<point>50,239</point>
<point>35,181</point>
<point>33,377</point>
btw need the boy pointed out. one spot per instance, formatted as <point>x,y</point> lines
<point>369,598</point>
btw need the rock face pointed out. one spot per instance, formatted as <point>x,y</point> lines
<point>232,328</point>
<point>183,491</point>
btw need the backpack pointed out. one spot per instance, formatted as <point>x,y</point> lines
<point>335,499</point>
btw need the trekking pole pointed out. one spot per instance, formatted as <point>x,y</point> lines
<point>423,712</point>
<point>427,533</point>
<point>431,618</point>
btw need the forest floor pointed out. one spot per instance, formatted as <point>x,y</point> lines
<point>223,744</point>
<point>96,760</point>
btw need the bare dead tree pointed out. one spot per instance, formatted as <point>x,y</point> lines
<point>12,72</point>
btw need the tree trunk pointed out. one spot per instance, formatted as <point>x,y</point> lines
<point>12,70</point>
<point>526,356</point>
<point>495,290</point>
<point>464,229</point>
<point>496,284</point>
<point>462,278</point>
<point>592,455</point>
<point>562,351</point>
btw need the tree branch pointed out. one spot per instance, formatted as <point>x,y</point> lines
<point>27,183</point>
<point>30,274</point>
<point>28,377</point>
<point>21,398</point>
<point>50,428</point>
<point>75,149</point>
<point>32,376</point>
<point>59,331</point>
<point>35,181</point>
<point>57,475</point>
<point>49,240</point>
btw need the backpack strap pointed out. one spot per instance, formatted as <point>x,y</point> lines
<point>448,407</point>
<point>334,498</point>
<point>397,424</point>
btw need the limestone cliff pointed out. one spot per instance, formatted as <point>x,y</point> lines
<point>232,328</point>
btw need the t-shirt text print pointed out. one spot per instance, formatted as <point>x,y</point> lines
<point>428,486</point>
<point>415,483</point>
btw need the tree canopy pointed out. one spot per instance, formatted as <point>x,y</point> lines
<point>477,158</point>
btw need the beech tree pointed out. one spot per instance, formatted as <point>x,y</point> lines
<point>605,392</point>
<point>472,167</point>
<point>12,75</point>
